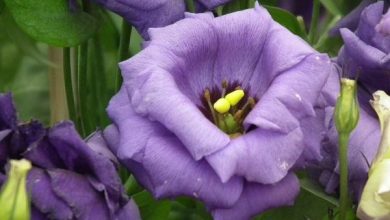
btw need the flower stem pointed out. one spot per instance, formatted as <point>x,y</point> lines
<point>343,166</point>
<point>58,110</point>
<point>69,84</point>
<point>123,49</point>
<point>314,21</point>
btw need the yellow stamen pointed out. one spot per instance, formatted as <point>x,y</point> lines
<point>235,97</point>
<point>222,105</point>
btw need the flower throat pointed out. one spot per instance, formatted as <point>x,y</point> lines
<point>229,111</point>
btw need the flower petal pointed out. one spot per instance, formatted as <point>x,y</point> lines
<point>258,198</point>
<point>44,198</point>
<point>260,155</point>
<point>75,189</point>
<point>153,13</point>
<point>8,117</point>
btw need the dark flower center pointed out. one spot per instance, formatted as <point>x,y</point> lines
<point>228,108</point>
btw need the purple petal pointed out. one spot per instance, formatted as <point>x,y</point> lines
<point>44,198</point>
<point>75,189</point>
<point>129,211</point>
<point>97,143</point>
<point>8,117</point>
<point>278,154</point>
<point>351,21</point>
<point>211,4</point>
<point>146,14</point>
<point>287,99</point>
<point>370,17</point>
<point>383,26</point>
<point>258,198</point>
<point>166,169</point>
<point>77,156</point>
<point>366,55</point>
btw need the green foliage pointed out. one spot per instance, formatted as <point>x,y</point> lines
<point>287,19</point>
<point>23,71</point>
<point>307,207</point>
<point>52,22</point>
<point>315,189</point>
<point>150,208</point>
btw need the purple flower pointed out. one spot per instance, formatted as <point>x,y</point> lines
<point>167,133</point>
<point>351,20</point>
<point>367,51</point>
<point>68,180</point>
<point>146,14</point>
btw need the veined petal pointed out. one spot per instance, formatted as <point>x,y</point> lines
<point>258,198</point>
<point>260,156</point>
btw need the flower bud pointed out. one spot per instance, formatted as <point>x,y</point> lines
<point>347,107</point>
<point>14,200</point>
<point>375,200</point>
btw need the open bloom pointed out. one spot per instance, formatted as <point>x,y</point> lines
<point>367,51</point>
<point>153,13</point>
<point>218,109</point>
<point>68,179</point>
<point>375,200</point>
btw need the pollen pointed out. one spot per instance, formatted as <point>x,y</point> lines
<point>235,97</point>
<point>222,105</point>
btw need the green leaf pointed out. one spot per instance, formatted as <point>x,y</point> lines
<point>52,22</point>
<point>1,6</point>
<point>22,40</point>
<point>306,207</point>
<point>232,6</point>
<point>286,19</point>
<point>313,188</point>
<point>150,208</point>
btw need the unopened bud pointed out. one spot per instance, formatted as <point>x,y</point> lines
<point>347,107</point>
<point>14,201</point>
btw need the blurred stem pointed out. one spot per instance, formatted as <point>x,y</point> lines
<point>69,84</point>
<point>123,49</point>
<point>83,89</point>
<point>58,110</point>
<point>82,80</point>
<point>343,166</point>
<point>314,21</point>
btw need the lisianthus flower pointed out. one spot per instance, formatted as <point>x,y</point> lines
<point>367,51</point>
<point>374,203</point>
<point>153,13</point>
<point>68,179</point>
<point>214,108</point>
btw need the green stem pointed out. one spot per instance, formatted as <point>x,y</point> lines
<point>69,84</point>
<point>343,166</point>
<point>83,89</point>
<point>314,21</point>
<point>123,49</point>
